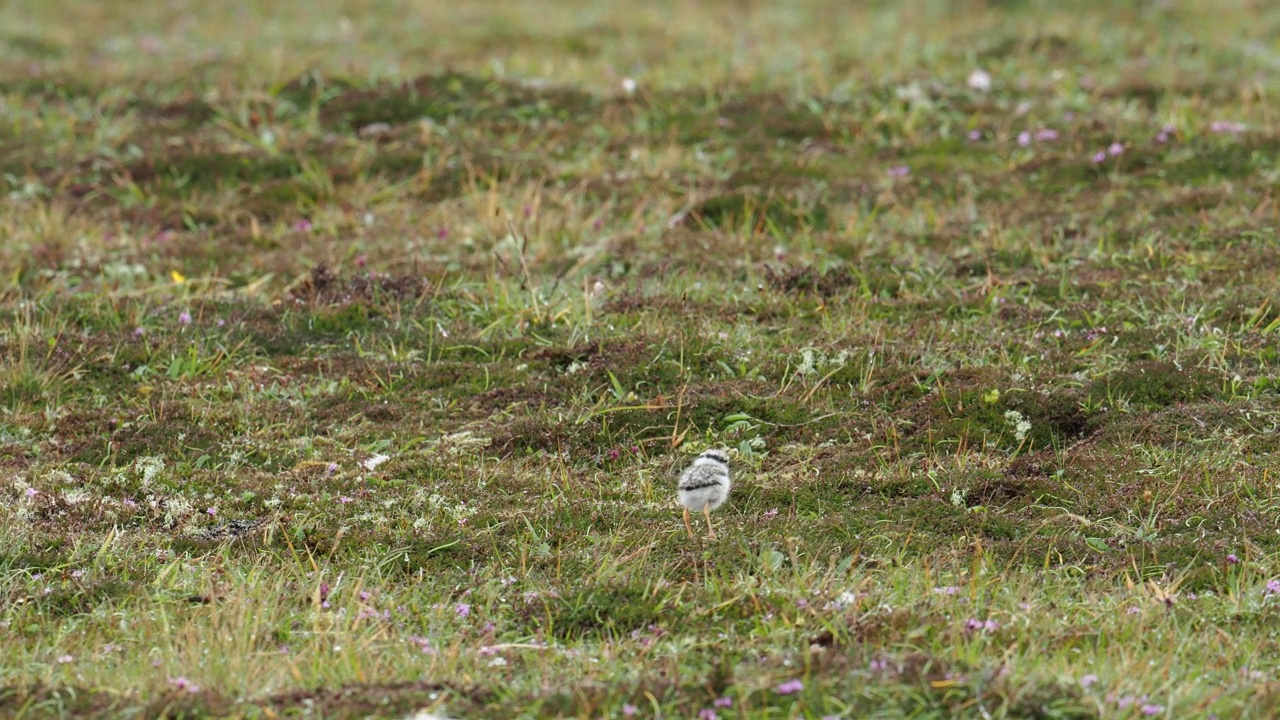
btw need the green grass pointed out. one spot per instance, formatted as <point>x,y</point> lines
<point>349,353</point>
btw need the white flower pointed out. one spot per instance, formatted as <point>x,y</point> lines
<point>373,462</point>
<point>1020,425</point>
<point>979,80</point>
<point>628,86</point>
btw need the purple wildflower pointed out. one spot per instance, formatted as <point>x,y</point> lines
<point>343,500</point>
<point>946,590</point>
<point>184,318</point>
<point>442,233</point>
<point>1045,134</point>
<point>707,714</point>
<point>1099,156</point>
<point>462,609</point>
<point>64,659</point>
<point>723,702</point>
<point>183,684</point>
<point>1232,559</point>
<point>976,625</point>
<point>1151,709</point>
<point>32,492</point>
<point>790,687</point>
<point>1024,138</point>
<point>1273,587</point>
<point>1115,148</point>
<point>212,512</point>
<point>303,225</point>
<point>1088,680</point>
<point>899,171</point>
<point>975,135</point>
<point>1223,126</point>
<point>629,710</point>
<point>139,332</point>
<point>770,513</point>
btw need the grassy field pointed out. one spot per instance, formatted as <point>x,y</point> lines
<point>350,352</point>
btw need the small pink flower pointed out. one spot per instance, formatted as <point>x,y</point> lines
<point>77,574</point>
<point>790,687</point>
<point>1024,138</point>
<point>1151,709</point>
<point>1100,156</point>
<point>629,710</point>
<point>32,492</point>
<point>975,625</point>
<point>183,684</point>
<point>139,332</point>
<point>343,500</point>
<point>899,171</point>
<point>1115,148</point>
<point>707,714</point>
<point>1232,559</point>
<point>1223,126</point>
<point>770,513</point>
<point>462,609</point>
<point>64,659</point>
<point>1273,587</point>
<point>212,512</point>
<point>303,225</point>
<point>129,503</point>
<point>184,318</point>
<point>723,702</point>
<point>442,233</point>
<point>1088,680</point>
<point>975,135</point>
<point>1045,134</point>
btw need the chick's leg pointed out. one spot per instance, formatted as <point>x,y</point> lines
<point>687,526</point>
<point>706,512</point>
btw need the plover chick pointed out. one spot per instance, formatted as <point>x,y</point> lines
<point>704,485</point>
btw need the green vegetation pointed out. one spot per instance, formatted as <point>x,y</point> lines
<point>350,351</point>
